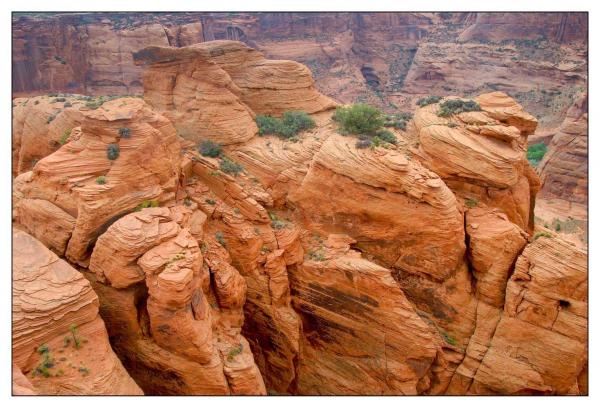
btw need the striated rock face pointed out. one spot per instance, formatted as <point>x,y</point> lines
<point>55,320</point>
<point>212,90</point>
<point>40,125</point>
<point>482,154</point>
<point>343,311</point>
<point>378,198</point>
<point>564,170</point>
<point>146,168</point>
<point>537,343</point>
<point>318,268</point>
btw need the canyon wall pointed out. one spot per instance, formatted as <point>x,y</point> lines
<point>305,266</point>
<point>387,59</point>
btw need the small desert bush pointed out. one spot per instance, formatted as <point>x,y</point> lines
<point>209,148</point>
<point>456,106</point>
<point>112,151</point>
<point>125,132</point>
<point>428,100</point>
<point>536,152</point>
<point>359,119</point>
<point>287,127</point>
<point>230,167</point>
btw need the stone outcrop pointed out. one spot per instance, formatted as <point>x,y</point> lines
<point>213,90</point>
<point>482,154</point>
<point>316,267</point>
<point>537,343</point>
<point>40,125</point>
<point>60,344</point>
<point>144,166</point>
<point>563,170</point>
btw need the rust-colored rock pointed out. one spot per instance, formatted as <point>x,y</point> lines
<point>564,169</point>
<point>145,168</point>
<point>55,319</point>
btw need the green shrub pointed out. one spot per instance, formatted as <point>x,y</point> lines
<point>100,180</point>
<point>557,228</point>
<point>267,125</point>
<point>359,119</point>
<point>221,238</point>
<point>449,339</point>
<point>297,121</point>
<point>209,148</point>
<point>471,202</point>
<point>542,234</point>
<point>210,201</point>
<point>230,167</point>
<point>536,152</point>
<point>398,121</point>
<point>428,100</point>
<point>65,137</point>
<point>112,151</point>
<point>94,104</point>
<point>125,133</point>
<point>234,352</point>
<point>51,118</point>
<point>61,99</point>
<point>75,335</point>
<point>287,127</point>
<point>147,204</point>
<point>387,136</point>
<point>66,104</point>
<point>46,363</point>
<point>455,106</point>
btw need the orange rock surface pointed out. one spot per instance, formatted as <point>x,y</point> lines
<point>317,268</point>
<point>60,344</point>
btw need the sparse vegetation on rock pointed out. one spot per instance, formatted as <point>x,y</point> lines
<point>536,152</point>
<point>287,127</point>
<point>456,106</point>
<point>112,151</point>
<point>209,148</point>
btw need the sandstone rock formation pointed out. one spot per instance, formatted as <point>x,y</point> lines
<point>482,154</point>
<point>60,344</point>
<point>564,169</point>
<point>40,125</point>
<point>316,267</point>
<point>543,326</point>
<point>539,57</point>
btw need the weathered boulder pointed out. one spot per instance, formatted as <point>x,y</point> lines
<point>481,155</point>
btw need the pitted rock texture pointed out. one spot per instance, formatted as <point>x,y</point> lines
<point>53,304</point>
